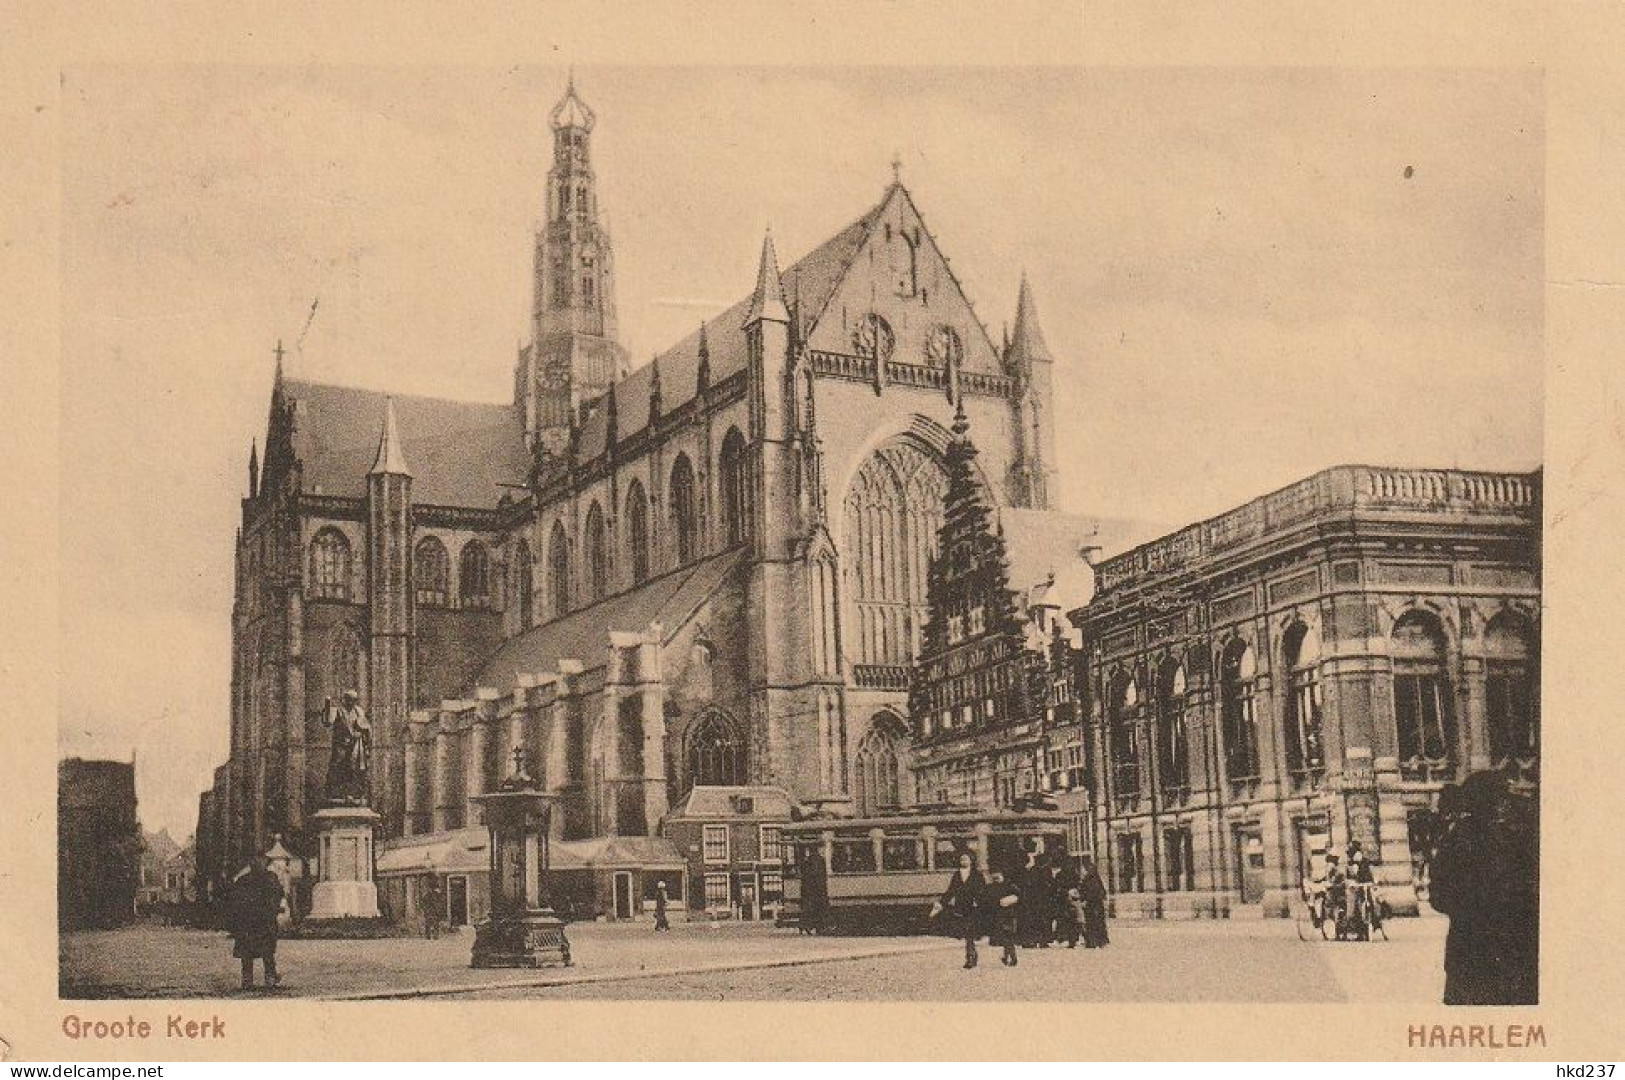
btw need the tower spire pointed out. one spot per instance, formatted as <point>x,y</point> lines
<point>702,374</point>
<point>768,302</point>
<point>390,460</point>
<point>1027,345</point>
<point>253,468</point>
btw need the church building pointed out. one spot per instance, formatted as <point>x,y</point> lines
<point>711,570</point>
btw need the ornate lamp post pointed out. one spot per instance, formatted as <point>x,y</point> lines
<point>521,931</point>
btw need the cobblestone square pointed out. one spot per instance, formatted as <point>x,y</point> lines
<point>1238,961</point>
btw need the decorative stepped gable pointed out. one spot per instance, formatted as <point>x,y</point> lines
<point>970,602</point>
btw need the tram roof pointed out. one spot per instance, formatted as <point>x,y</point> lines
<point>936,815</point>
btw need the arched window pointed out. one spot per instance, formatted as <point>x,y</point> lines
<point>893,511</point>
<point>714,752</point>
<point>1124,735</point>
<point>637,533</point>
<point>1173,749</point>
<point>1237,715</point>
<point>523,584</point>
<point>735,504</point>
<point>1511,691</point>
<point>597,555</point>
<point>1305,752</point>
<point>558,572</point>
<point>330,565</point>
<point>1424,713</point>
<point>349,663</point>
<point>877,769</point>
<point>474,575</point>
<point>432,568</point>
<point>684,512</point>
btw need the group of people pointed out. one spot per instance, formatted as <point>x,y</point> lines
<point>1043,901</point>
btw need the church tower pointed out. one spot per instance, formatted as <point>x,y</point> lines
<point>573,356</point>
<point>389,602</point>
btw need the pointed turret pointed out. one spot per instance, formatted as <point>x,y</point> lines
<point>571,111</point>
<point>390,460</point>
<point>1027,346</point>
<point>655,404</point>
<point>254,469</point>
<point>702,374</point>
<point>767,305</point>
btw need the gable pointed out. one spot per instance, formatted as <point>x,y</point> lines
<point>898,273</point>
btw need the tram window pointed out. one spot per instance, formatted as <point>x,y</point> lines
<point>950,848</point>
<point>1005,852</point>
<point>901,853</point>
<point>853,857</point>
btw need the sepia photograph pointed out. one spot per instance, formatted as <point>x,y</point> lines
<point>739,533</point>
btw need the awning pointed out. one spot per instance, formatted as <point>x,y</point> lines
<point>466,851</point>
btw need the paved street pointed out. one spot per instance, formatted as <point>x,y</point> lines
<point>1240,961</point>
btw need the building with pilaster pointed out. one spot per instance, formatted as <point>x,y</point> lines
<point>706,571</point>
<point>1304,671</point>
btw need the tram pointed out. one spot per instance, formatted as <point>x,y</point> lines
<point>881,874</point>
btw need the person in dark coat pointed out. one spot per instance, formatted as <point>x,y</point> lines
<point>814,891</point>
<point>1037,907</point>
<point>1093,893</point>
<point>256,900</point>
<point>1003,902</point>
<point>961,904</point>
<point>433,903</point>
<point>1063,889</point>
<point>661,922</point>
<point>1485,876</point>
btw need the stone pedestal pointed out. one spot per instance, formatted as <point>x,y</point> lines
<point>346,889</point>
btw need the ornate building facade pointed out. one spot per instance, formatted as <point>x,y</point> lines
<point>708,570</point>
<point>1306,670</point>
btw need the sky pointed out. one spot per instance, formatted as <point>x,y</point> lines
<point>1245,276</point>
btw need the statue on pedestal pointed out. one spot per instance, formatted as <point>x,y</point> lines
<point>347,767</point>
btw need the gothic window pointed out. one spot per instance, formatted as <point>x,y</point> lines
<point>684,512</point>
<point>637,532</point>
<point>877,769</point>
<point>1173,743</point>
<point>1423,714</point>
<point>558,572</point>
<point>824,620</point>
<point>1511,691</point>
<point>1239,667</point>
<point>597,552</point>
<point>873,338</point>
<point>1123,732</point>
<point>474,575</point>
<point>432,567</point>
<point>892,513</point>
<point>524,587</point>
<point>714,752</point>
<point>735,508</point>
<point>1305,753</point>
<point>943,348</point>
<point>349,667</point>
<point>330,565</point>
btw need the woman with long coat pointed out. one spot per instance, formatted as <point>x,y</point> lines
<point>961,901</point>
<point>1093,892</point>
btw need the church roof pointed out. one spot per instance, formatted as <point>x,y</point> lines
<point>806,286</point>
<point>583,635</point>
<point>462,452</point>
